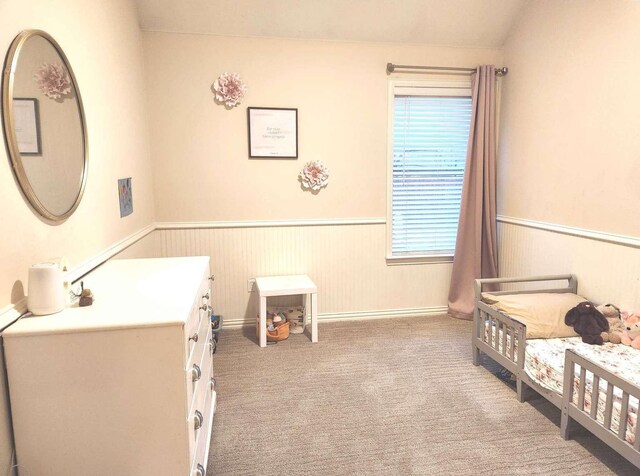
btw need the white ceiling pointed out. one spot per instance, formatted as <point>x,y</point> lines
<point>480,23</point>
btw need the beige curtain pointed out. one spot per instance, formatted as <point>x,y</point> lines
<point>476,254</point>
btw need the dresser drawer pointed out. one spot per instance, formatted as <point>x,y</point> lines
<point>201,311</point>
<point>205,365</point>
<point>203,440</point>
<point>195,370</point>
<point>191,329</point>
<point>199,408</point>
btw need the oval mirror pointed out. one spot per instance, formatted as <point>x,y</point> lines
<point>44,125</point>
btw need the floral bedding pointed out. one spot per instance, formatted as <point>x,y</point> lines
<point>544,363</point>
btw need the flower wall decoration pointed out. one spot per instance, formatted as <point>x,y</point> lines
<point>314,175</point>
<point>229,89</point>
<point>54,81</point>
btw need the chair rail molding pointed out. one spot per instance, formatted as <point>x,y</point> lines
<point>614,238</point>
<point>269,223</point>
<point>76,272</point>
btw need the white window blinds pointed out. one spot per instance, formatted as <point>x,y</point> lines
<point>430,135</point>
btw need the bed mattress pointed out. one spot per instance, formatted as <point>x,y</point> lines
<point>544,364</point>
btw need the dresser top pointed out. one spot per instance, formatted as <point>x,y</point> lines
<point>127,293</point>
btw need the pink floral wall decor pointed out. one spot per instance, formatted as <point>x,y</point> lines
<point>54,81</point>
<point>229,89</point>
<point>314,175</point>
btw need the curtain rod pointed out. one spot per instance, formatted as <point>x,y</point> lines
<point>392,67</point>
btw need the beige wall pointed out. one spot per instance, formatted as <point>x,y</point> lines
<point>201,166</point>
<point>570,147</point>
<point>202,171</point>
<point>102,41</point>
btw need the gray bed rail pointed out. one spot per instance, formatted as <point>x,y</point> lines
<point>589,418</point>
<point>572,284</point>
<point>501,337</point>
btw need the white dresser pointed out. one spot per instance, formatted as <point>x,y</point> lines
<point>123,387</point>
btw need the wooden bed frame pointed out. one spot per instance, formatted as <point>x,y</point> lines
<point>572,411</point>
<point>504,329</point>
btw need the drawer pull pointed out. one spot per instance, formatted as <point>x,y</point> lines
<point>196,373</point>
<point>198,419</point>
<point>205,296</point>
<point>194,337</point>
<point>212,381</point>
<point>204,307</point>
<point>212,346</point>
<point>212,278</point>
<point>200,471</point>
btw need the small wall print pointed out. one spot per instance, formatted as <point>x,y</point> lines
<point>125,196</point>
<point>273,133</point>
<point>26,114</point>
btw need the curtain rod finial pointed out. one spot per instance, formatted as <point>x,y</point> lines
<point>390,68</point>
<point>502,71</point>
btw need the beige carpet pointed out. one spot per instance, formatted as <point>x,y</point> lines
<point>393,396</point>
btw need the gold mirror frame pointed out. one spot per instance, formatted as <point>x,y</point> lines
<point>11,140</point>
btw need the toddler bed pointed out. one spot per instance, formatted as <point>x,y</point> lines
<point>607,375</point>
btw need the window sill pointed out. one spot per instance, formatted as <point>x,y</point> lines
<point>419,259</point>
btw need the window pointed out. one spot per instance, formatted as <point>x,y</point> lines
<point>429,131</point>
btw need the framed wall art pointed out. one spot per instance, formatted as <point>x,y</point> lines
<point>26,114</point>
<point>273,133</point>
<point>125,197</point>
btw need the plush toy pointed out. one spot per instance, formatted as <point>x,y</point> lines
<point>631,334</point>
<point>588,322</point>
<point>294,318</point>
<point>616,328</point>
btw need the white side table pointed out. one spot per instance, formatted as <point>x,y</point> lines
<point>287,286</point>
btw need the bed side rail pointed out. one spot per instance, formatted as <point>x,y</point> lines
<point>499,336</point>
<point>586,410</point>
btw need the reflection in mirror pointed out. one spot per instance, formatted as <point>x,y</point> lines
<point>44,125</point>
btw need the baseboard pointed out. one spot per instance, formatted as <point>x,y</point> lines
<point>354,316</point>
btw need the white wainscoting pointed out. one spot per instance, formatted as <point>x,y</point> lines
<point>607,265</point>
<point>345,258</point>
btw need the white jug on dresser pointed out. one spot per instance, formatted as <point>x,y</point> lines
<point>45,293</point>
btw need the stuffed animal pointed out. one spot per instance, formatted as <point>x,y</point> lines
<point>616,328</point>
<point>631,334</point>
<point>588,322</point>
<point>294,318</point>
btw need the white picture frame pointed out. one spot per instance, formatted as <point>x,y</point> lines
<point>26,117</point>
<point>273,133</point>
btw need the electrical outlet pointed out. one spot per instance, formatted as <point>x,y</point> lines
<point>251,282</point>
